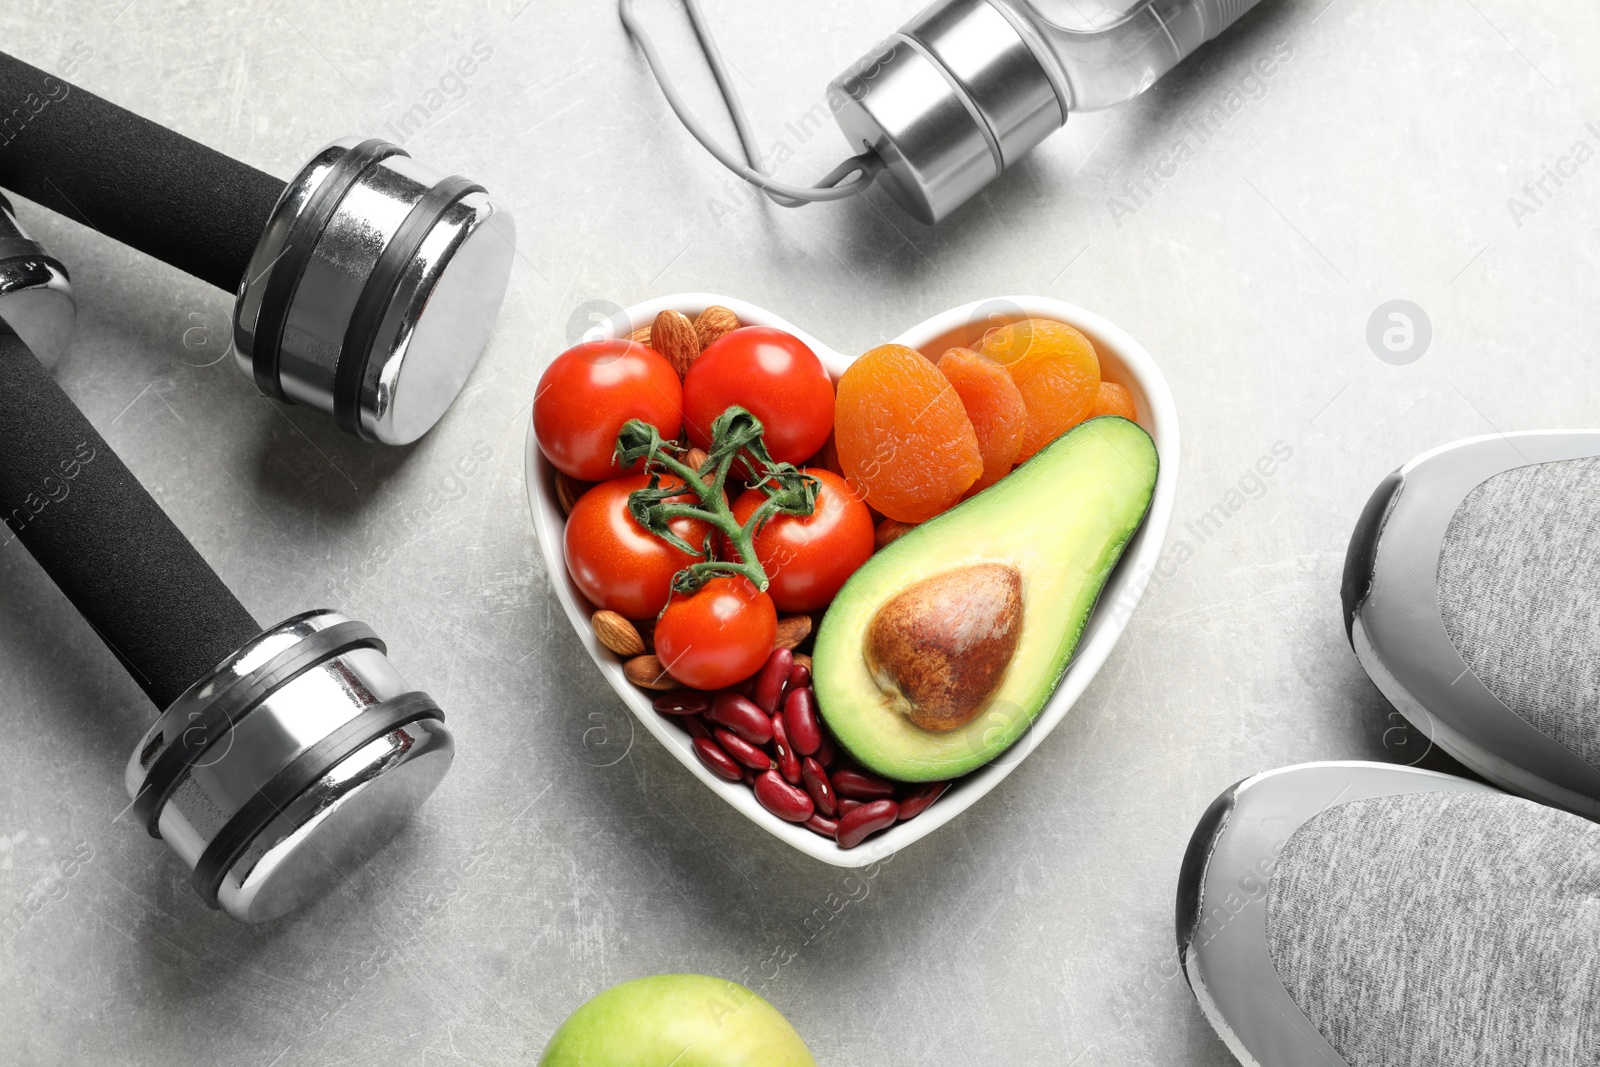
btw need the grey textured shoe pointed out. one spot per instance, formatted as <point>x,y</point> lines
<point>1371,915</point>
<point>1471,590</point>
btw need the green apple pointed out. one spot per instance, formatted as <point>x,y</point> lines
<point>677,1020</point>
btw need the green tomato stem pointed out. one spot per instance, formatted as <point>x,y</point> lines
<point>736,432</point>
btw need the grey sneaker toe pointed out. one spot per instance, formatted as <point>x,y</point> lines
<point>1370,915</point>
<point>1470,591</point>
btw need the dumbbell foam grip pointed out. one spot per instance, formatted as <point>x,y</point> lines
<point>104,540</point>
<point>132,179</point>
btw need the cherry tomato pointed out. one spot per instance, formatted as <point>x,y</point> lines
<point>808,559</point>
<point>774,376</point>
<point>719,636</point>
<point>589,391</point>
<point>618,564</point>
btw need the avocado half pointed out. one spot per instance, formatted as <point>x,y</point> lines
<point>1062,519</point>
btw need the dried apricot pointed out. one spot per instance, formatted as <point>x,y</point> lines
<point>1115,400</point>
<point>1056,371</point>
<point>902,436</point>
<point>995,407</point>
<point>889,531</point>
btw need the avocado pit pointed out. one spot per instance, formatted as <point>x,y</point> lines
<point>939,648</point>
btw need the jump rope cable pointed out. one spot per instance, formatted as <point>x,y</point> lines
<point>832,186</point>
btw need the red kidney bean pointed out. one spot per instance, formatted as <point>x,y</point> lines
<point>845,804</point>
<point>720,762</point>
<point>800,720</point>
<point>696,725</point>
<point>816,782</point>
<point>860,785</point>
<point>745,688</point>
<point>865,821</point>
<point>788,762</point>
<point>825,752</point>
<point>769,682</point>
<point>682,702</point>
<point>741,750</point>
<point>823,825</point>
<point>741,716</point>
<point>914,804</point>
<point>799,676</point>
<point>783,799</point>
<point>749,776</point>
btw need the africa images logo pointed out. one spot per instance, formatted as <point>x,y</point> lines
<point>1553,178</point>
<point>15,119</point>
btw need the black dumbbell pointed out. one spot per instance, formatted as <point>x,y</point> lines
<point>366,287</point>
<point>282,757</point>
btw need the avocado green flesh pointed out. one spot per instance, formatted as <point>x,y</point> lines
<point>676,1020</point>
<point>1062,519</point>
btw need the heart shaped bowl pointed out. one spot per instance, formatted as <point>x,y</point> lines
<point>1122,360</point>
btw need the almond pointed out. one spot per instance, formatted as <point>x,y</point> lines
<point>641,335</point>
<point>568,490</point>
<point>673,335</point>
<point>802,660</point>
<point>713,322</point>
<point>890,530</point>
<point>617,633</point>
<point>793,630</point>
<point>695,457</point>
<point>646,672</point>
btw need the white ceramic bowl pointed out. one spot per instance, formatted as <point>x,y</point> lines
<point>1122,359</point>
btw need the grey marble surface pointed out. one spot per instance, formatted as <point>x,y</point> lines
<point>567,851</point>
